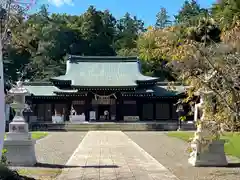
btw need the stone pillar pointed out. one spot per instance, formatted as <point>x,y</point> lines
<point>20,147</point>
<point>213,154</point>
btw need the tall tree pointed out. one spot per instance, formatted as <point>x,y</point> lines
<point>162,20</point>
<point>190,13</point>
<point>128,29</point>
<point>98,28</point>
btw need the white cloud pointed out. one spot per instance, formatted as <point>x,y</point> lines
<point>59,3</point>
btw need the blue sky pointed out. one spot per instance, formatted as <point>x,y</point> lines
<point>143,9</point>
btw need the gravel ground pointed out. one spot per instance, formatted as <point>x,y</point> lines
<point>57,147</point>
<point>171,152</point>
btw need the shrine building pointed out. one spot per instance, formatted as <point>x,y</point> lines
<point>100,89</point>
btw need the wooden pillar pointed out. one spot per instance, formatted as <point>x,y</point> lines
<point>68,109</point>
<point>36,109</point>
<point>154,110</point>
<point>52,108</point>
<point>119,116</point>
<point>139,108</point>
<point>88,105</point>
<point>170,110</point>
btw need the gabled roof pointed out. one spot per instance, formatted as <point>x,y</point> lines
<point>103,71</point>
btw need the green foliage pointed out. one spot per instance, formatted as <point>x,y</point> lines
<point>127,32</point>
<point>183,118</point>
<point>40,43</point>
<point>162,19</point>
<point>190,13</point>
<point>4,158</point>
<point>206,31</point>
<point>226,12</point>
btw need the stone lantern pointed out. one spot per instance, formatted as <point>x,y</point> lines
<point>19,144</point>
<point>214,155</point>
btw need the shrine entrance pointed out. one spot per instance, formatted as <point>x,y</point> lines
<point>105,108</point>
<point>104,112</point>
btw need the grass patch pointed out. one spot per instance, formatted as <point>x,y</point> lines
<point>183,135</point>
<point>36,135</point>
<point>231,147</point>
<point>40,173</point>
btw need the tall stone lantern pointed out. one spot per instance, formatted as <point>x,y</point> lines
<point>19,144</point>
<point>214,155</point>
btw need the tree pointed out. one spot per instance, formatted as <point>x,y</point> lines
<point>207,31</point>
<point>8,9</point>
<point>128,30</point>
<point>162,19</point>
<point>222,63</point>
<point>190,13</point>
<point>155,48</point>
<point>49,38</point>
<point>98,28</point>
<point>232,36</point>
<point>226,12</point>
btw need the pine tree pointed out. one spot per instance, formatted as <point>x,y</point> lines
<point>162,19</point>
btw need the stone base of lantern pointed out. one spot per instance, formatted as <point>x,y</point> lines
<point>214,156</point>
<point>20,152</point>
<point>19,144</point>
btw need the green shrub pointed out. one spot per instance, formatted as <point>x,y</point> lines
<point>4,157</point>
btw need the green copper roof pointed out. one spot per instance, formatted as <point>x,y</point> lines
<point>103,72</point>
<point>43,89</point>
<point>160,91</point>
<point>166,91</point>
<point>47,89</point>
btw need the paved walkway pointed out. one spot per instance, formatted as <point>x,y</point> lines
<point>57,147</point>
<point>111,155</point>
<point>173,154</point>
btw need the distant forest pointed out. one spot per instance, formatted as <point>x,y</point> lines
<point>41,43</point>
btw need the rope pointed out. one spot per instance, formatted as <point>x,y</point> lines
<point>106,96</point>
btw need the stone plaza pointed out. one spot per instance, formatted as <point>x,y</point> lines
<point>122,155</point>
<point>112,155</point>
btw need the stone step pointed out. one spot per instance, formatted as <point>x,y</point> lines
<point>106,126</point>
<point>188,126</point>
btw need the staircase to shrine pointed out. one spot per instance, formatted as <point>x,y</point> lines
<point>110,126</point>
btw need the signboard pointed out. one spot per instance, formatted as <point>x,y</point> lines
<point>92,115</point>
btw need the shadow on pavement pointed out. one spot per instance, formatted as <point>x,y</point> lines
<point>233,165</point>
<point>54,166</point>
<point>100,166</point>
<point>60,166</point>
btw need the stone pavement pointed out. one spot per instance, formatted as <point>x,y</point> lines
<point>57,147</point>
<point>172,153</point>
<point>111,155</point>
